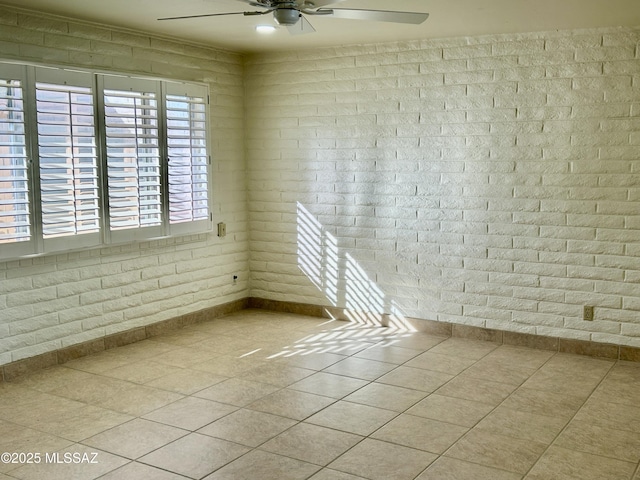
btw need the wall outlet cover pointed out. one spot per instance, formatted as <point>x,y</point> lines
<point>587,313</point>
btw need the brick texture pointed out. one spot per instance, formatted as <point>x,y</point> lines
<point>55,302</point>
<point>490,182</point>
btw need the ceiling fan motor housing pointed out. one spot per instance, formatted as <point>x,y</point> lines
<point>286,16</point>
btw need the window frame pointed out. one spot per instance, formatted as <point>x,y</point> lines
<point>58,77</point>
<point>29,75</point>
<point>21,248</point>
<point>187,90</point>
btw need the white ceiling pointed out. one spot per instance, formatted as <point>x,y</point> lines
<point>448,18</point>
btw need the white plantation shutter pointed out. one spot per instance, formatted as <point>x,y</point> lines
<point>16,233</point>
<point>68,159</point>
<point>90,159</point>
<point>188,159</point>
<point>131,115</point>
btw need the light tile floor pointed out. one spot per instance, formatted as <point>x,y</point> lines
<point>263,395</point>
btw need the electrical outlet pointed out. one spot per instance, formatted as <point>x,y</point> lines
<point>222,229</point>
<point>587,313</point>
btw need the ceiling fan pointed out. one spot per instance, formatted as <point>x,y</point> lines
<point>290,13</point>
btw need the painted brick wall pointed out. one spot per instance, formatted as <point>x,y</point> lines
<point>490,181</point>
<point>52,302</point>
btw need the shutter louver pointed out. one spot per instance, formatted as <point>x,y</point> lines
<point>188,160</point>
<point>68,160</point>
<point>90,159</point>
<point>133,159</point>
<point>14,182</point>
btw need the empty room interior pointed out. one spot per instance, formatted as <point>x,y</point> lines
<point>327,240</point>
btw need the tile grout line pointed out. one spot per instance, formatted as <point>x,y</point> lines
<point>572,417</point>
<point>404,412</point>
<point>443,454</point>
<point>498,406</point>
<point>381,344</point>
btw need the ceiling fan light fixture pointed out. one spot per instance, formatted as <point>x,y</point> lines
<point>265,28</point>
<point>286,16</point>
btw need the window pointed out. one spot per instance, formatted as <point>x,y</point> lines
<point>69,203</point>
<point>133,151</point>
<point>187,143</point>
<point>15,212</point>
<point>88,159</point>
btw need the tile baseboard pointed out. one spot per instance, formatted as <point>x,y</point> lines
<point>18,368</point>
<point>555,344</point>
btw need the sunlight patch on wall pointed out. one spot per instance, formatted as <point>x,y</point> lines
<point>318,254</point>
<point>328,269</point>
<point>364,300</point>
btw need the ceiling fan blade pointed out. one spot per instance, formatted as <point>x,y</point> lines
<point>301,28</point>
<point>216,15</point>
<point>376,15</point>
